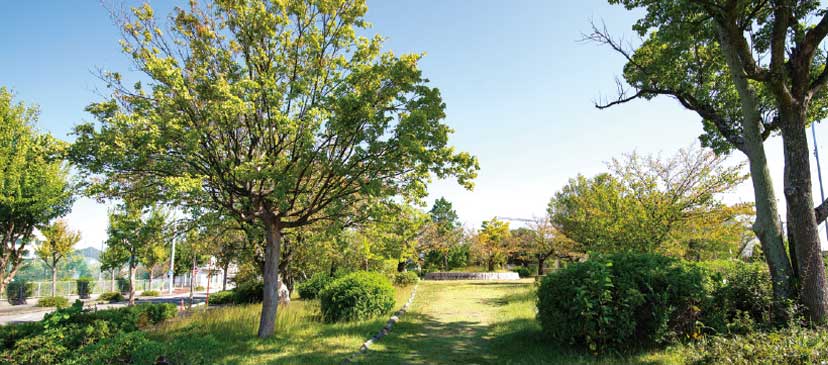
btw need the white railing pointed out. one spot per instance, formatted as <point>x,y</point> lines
<point>68,288</point>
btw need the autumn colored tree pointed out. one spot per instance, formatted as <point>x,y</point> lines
<point>58,245</point>
<point>493,244</point>
<point>34,186</point>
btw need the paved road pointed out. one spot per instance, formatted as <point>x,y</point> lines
<point>39,314</point>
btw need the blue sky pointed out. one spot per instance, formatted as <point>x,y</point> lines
<point>518,85</point>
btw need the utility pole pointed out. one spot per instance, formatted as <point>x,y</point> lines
<point>171,273</point>
<point>819,171</point>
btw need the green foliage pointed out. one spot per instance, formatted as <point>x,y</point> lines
<point>790,346</point>
<point>742,296</point>
<point>85,286</point>
<point>493,244</point>
<point>406,278</point>
<point>150,293</point>
<point>111,297</point>
<point>622,302</point>
<point>18,291</point>
<point>357,296</point>
<point>122,283</point>
<point>34,187</point>
<point>648,204</point>
<point>249,292</point>
<point>309,289</point>
<point>53,302</point>
<point>523,271</point>
<point>223,297</point>
<point>122,348</point>
<point>72,335</point>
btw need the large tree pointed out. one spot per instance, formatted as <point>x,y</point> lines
<point>277,110</point>
<point>59,244</point>
<point>771,47</point>
<point>645,202</point>
<point>34,187</point>
<point>545,241</point>
<point>493,243</point>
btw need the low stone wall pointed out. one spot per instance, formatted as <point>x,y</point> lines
<point>472,276</point>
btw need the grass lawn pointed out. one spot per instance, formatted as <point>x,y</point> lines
<point>228,336</point>
<point>477,322</point>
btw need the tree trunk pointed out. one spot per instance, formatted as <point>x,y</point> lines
<point>192,281</point>
<point>445,261</point>
<point>224,278</point>
<point>132,281</point>
<point>270,302</point>
<point>767,226</point>
<point>54,280</point>
<point>803,227</point>
<point>792,252</point>
<point>149,280</point>
<point>541,261</point>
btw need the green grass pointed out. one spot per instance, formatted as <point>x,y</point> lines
<point>227,335</point>
<point>475,322</point>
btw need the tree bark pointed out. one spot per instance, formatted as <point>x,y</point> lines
<point>132,281</point>
<point>270,302</point>
<point>149,281</point>
<point>54,280</point>
<point>224,278</point>
<point>192,281</point>
<point>803,226</point>
<point>541,261</point>
<point>767,226</point>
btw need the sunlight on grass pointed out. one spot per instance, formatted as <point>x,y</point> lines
<point>227,335</point>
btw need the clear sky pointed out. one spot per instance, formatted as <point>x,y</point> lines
<point>518,85</point>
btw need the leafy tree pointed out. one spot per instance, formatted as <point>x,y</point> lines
<point>33,182</point>
<point>544,241</point>
<point>772,47</point>
<point>493,244</point>
<point>132,233</point>
<point>277,111</point>
<point>646,201</point>
<point>58,245</point>
<point>444,233</point>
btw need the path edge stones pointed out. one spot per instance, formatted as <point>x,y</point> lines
<point>385,330</point>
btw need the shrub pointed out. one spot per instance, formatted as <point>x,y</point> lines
<point>123,348</point>
<point>249,292</point>
<point>198,288</point>
<point>18,291</point>
<point>406,278</point>
<point>150,293</point>
<point>309,289</point>
<point>791,346</point>
<point>522,271</point>
<point>357,296</point>
<point>85,286</point>
<point>742,294</point>
<point>59,302</point>
<point>223,297</point>
<point>123,285</point>
<point>622,301</point>
<point>111,297</point>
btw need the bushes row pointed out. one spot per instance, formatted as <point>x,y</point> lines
<point>790,346</point>
<point>73,335</point>
<point>357,296</point>
<point>111,297</point>
<point>150,293</point>
<point>625,301</point>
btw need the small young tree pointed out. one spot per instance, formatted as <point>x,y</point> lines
<point>493,243</point>
<point>131,234</point>
<point>34,188</point>
<point>546,241</point>
<point>58,245</point>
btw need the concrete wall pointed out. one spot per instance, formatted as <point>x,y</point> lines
<point>472,276</point>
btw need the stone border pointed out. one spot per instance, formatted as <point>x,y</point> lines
<point>472,276</point>
<point>384,331</point>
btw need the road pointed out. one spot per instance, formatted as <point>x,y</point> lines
<point>37,314</point>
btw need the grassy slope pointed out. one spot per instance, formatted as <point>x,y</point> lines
<point>468,322</point>
<point>228,336</point>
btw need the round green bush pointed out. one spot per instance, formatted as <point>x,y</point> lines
<point>59,302</point>
<point>18,291</point>
<point>111,297</point>
<point>357,296</point>
<point>309,289</point>
<point>249,292</point>
<point>522,271</point>
<point>622,301</point>
<point>223,297</point>
<point>150,293</point>
<point>403,279</point>
<point>85,286</point>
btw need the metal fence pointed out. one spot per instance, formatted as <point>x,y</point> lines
<point>67,288</point>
